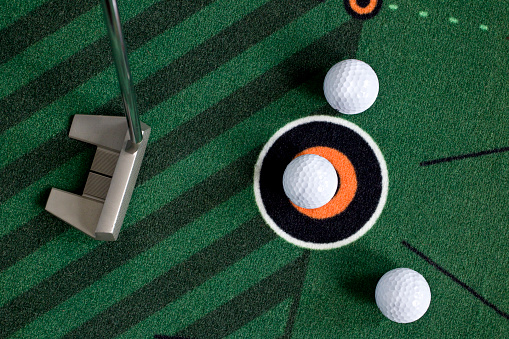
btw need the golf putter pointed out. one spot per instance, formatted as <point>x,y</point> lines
<point>121,144</point>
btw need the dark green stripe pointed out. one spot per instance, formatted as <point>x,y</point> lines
<point>296,298</point>
<point>28,169</point>
<point>270,292</point>
<point>79,274</point>
<point>90,61</point>
<point>44,227</point>
<point>177,281</point>
<point>41,22</point>
<point>32,235</point>
<point>309,66</point>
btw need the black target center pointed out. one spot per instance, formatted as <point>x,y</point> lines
<point>363,3</point>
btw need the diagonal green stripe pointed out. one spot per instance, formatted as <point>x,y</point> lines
<point>233,281</point>
<point>269,325</point>
<point>12,216</point>
<point>252,303</point>
<point>12,10</point>
<point>205,161</point>
<point>21,173</point>
<point>136,273</point>
<point>180,279</point>
<point>100,89</point>
<point>212,90</point>
<point>50,51</point>
<point>295,104</point>
<point>33,235</point>
<point>90,267</point>
<point>36,26</point>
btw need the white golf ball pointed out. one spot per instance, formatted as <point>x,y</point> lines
<point>403,295</point>
<point>310,181</point>
<point>351,86</point>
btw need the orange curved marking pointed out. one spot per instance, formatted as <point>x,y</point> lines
<point>363,10</point>
<point>347,183</point>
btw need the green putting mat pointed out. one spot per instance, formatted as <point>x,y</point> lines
<point>216,80</point>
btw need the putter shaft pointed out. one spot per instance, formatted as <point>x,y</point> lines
<point>114,28</point>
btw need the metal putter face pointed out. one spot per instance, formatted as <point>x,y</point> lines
<point>121,144</point>
<point>100,211</point>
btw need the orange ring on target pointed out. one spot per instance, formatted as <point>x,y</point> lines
<point>347,183</point>
<point>363,10</point>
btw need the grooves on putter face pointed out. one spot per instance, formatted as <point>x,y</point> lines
<point>121,144</point>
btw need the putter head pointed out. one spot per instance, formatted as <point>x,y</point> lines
<point>100,211</point>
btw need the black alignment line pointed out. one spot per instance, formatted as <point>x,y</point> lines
<point>296,299</point>
<point>456,280</point>
<point>461,157</point>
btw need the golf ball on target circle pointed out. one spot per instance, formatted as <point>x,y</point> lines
<point>310,181</point>
<point>403,295</point>
<point>351,86</point>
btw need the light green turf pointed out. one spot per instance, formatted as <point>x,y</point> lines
<point>269,325</point>
<point>59,46</point>
<point>443,92</point>
<point>464,215</point>
<point>209,159</point>
<point>12,10</point>
<point>100,89</point>
<point>217,290</point>
<point>144,268</point>
<point>32,269</point>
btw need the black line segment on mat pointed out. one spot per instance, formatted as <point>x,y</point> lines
<point>455,279</point>
<point>251,304</point>
<point>298,293</point>
<point>464,156</point>
<point>177,281</point>
<point>84,271</point>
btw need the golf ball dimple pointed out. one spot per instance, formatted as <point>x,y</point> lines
<point>351,86</point>
<point>403,295</point>
<point>310,181</point>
